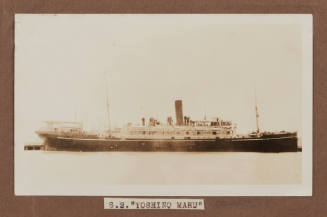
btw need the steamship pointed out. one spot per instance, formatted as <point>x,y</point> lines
<point>185,135</point>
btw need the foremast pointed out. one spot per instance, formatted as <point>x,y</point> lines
<point>256,111</point>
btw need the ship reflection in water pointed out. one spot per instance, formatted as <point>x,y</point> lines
<point>157,168</point>
<point>186,135</point>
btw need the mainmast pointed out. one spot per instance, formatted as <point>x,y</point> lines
<point>256,111</point>
<point>107,105</point>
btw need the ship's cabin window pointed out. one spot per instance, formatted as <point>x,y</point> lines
<point>198,132</point>
<point>228,132</point>
<point>214,133</point>
<point>143,132</point>
<point>187,132</point>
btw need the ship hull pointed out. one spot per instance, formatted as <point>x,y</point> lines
<point>282,144</point>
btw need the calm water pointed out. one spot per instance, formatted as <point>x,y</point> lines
<point>37,168</point>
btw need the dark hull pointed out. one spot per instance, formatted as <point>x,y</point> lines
<point>282,144</point>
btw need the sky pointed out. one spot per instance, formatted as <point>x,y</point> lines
<point>66,65</point>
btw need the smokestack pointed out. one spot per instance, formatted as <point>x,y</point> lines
<point>179,112</point>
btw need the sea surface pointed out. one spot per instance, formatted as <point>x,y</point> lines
<point>40,168</point>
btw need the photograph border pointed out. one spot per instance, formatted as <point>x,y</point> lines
<point>223,206</point>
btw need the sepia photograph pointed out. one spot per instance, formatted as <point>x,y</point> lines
<point>145,104</point>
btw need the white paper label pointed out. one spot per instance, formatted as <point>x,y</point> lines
<point>153,203</point>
